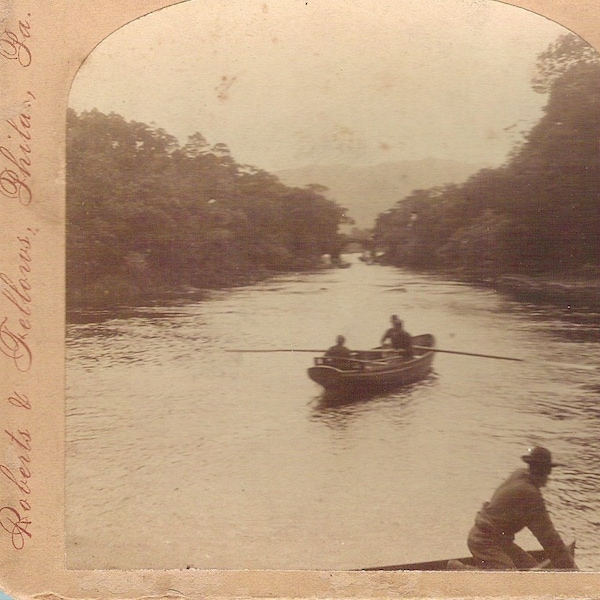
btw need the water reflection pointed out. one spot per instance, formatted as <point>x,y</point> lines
<point>561,323</point>
<point>337,409</point>
<point>579,408</point>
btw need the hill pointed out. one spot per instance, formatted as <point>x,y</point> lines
<point>368,191</point>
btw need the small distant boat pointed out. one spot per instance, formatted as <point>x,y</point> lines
<point>459,564</point>
<point>379,368</point>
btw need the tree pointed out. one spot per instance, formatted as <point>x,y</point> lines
<point>567,51</point>
<point>538,212</point>
<point>145,216</point>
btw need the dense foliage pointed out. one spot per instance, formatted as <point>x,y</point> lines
<point>538,213</point>
<point>146,216</point>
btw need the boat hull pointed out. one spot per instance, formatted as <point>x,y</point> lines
<point>459,563</point>
<point>375,370</point>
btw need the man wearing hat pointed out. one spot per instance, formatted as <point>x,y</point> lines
<point>516,504</point>
<point>399,338</point>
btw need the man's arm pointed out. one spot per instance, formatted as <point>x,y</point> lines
<point>542,528</point>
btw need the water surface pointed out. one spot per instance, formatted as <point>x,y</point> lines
<point>180,454</point>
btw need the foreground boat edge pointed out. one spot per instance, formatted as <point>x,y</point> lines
<point>467,563</point>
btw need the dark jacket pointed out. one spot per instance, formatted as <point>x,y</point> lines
<point>338,351</point>
<point>516,504</point>
<point>400,340</point>
<point>336,356</point>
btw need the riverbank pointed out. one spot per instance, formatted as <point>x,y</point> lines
<point>576,288</point>
<point>122,291</point>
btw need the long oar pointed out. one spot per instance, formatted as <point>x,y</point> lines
<point>512,358</point>
<point>356,360</point>
<point>429,349</point>
<point>470,353</point>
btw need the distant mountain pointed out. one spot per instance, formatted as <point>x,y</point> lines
<point>368,191</point>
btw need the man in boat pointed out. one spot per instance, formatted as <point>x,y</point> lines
<point>516,504</point>
<point>339,353</point>
<point>399,338</point>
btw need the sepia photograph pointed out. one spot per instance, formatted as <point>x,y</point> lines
<point>333,290</point>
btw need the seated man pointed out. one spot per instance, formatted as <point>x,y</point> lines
<point>400,339</point>
<point>338,353</point>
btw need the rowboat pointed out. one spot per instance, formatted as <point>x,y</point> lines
<point>460,564</point>
<point>375,369</point>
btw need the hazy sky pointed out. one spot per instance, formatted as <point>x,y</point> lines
<point>286,83</point>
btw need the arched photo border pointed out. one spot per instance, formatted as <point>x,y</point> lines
<point>40,58</point>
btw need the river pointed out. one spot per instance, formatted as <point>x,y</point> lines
<point>180,454</point>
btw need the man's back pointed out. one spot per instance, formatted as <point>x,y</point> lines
<point>338,351</point>
<point>516,503</point>
<point>402,340</point>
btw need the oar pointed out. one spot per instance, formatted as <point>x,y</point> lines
<point>512,358</point>
<point>430,349</point>
<point>357,360</point>
<point>427,348</point>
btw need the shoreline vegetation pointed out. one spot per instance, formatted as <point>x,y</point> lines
<point>129,293</point>
<point>147,217</point>
<point>150,220</point>
<point>531,227</point>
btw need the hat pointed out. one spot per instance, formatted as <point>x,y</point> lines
<point>539,456</point>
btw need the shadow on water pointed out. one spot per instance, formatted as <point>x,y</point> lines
<point>337,409</point>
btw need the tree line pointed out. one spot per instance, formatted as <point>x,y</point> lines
<point>147,216</point>
<point>539,212</point>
